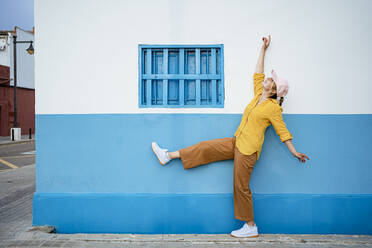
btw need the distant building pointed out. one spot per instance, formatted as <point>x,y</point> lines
<point>25,82</point>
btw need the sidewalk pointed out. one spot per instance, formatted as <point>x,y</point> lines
<point>40,239</point>
<point>5,140</point>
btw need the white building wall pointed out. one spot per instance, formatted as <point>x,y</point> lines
<point>5,51</point>
<point>25,61</point>
<point>86,52</point>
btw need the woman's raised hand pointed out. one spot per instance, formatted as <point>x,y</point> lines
<point>266,42</point>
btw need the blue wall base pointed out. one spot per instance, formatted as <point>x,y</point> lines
<point>202,213</point>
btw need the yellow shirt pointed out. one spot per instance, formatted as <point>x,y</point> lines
<point>251,131</point>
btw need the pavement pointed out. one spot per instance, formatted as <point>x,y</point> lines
<point>38,239</point>
<point>5,140</point>
<point>16,192</point>
<point>15,155</point>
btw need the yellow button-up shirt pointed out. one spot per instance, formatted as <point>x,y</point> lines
<point>251,131</point>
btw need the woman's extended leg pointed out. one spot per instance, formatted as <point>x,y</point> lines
<point>206,152</point>
<point>201,153</point>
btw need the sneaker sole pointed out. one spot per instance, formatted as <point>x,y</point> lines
<point>156,155</point>
<point>255,236</point>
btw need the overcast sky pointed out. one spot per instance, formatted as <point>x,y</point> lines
<point>16,13</point>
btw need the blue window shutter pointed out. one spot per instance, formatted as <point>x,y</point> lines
<point>157,62</point>
<point>190,92</point>
<point>182,81</point>
<point>173,92</point>
<point>205,57</point>
<point>214,72</point>
<point>165,81</point>
<point>173,59</point>
<point>148,72</point>
<point>197,72</point>
<point>190,61</point>
<point>181,76</point>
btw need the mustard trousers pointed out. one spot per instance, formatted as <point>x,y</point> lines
<point>223,149</point>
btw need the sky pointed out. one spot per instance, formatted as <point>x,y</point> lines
<point>16,13</point>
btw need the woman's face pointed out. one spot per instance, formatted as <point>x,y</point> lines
<point>269,85</point>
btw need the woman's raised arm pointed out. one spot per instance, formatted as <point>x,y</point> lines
<point>261,57</point>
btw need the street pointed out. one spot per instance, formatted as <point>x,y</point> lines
<point>16,191</point>
<point>17,155</point>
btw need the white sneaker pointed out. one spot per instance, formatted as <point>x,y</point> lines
<point>246,231</point>
<point>162,154</point>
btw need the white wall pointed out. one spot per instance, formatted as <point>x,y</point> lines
<point>25,61</point>
<point>86,51</point>
<point>5,54</point>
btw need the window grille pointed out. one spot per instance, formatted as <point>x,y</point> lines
<point>181,76</point>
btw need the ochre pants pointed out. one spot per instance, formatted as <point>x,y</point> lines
<point>223,149</point>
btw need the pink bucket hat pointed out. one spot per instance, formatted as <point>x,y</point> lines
<point>282,86</point>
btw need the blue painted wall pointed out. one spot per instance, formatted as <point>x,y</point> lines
<point>202,213</point>
<point>97,173</point>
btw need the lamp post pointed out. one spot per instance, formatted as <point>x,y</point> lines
<point>30,50</point>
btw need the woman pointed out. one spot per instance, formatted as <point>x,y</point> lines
<point>245,146</point>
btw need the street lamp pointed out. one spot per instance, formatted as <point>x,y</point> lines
<point>30,50</point>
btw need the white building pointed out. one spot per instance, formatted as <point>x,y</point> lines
<point>25,62</point>
<point>95,170</point>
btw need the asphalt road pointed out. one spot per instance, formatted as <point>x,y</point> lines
<point>17,187</point>
<point>17,155</point>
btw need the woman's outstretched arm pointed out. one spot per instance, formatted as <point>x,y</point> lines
<point>301,157</point>
<point>261,57</point>
<point>276,119</point>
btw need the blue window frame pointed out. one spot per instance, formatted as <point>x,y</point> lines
<point>181,76</point>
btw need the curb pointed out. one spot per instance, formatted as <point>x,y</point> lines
<point>17,142</point>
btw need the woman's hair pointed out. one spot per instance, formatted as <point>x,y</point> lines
<point>275,96</point>
<point>281,100</point>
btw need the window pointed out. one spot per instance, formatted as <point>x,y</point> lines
<point>181,76</point>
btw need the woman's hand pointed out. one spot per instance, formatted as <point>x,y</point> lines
<point>301,157</point>
<point>266,42</point>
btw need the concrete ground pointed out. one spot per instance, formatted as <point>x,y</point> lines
<point>15,155</point>
<point>16,191</point>
<point>4,140</point>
